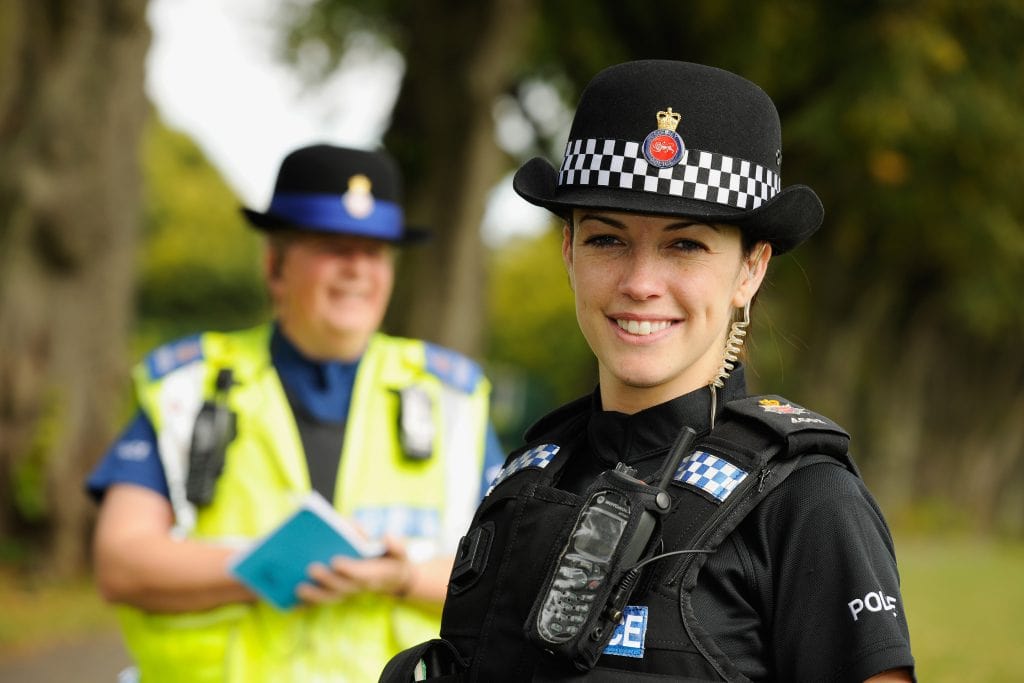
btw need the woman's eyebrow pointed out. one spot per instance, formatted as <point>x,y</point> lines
<point>615,223</point>
<point>607,220</point>
<point>679,225</point>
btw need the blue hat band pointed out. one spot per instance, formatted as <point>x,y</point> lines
<point>328,212</point>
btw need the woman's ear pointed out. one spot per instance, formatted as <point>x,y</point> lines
<point>752,274</point>
<point>567,254</point>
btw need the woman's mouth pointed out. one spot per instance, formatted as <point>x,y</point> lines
<point>643,328</point>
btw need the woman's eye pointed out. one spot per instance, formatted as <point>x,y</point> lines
<point>602,241</point>
<point>689,245</point>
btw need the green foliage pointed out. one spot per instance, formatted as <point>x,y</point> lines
<point>921,151</point>
<point>532,326</point>
<point>200,262</point>
<point>30,471</point>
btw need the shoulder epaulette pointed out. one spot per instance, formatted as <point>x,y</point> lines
<point>173,355</point>
<point>452,368</point>
<point>802,430</point>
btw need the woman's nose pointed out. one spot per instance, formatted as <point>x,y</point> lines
<point>642,277</point>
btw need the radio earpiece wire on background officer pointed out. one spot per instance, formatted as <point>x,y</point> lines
<point>773,561</point>
<point>233,427</point>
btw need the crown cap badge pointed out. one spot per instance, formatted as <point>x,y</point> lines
<point>663,147</point>
<point>358,200</point>
<point>668,119</point>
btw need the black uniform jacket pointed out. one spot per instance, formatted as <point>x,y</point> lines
<point>804,589</point>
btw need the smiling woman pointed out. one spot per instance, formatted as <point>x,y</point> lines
<point>718,505</point>
<point>654,299</point>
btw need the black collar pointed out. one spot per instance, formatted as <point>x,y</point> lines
<point>615,437</point>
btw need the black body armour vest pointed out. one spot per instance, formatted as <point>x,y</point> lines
<point>523,524</point>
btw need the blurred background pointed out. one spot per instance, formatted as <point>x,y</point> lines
<point>132,131</point>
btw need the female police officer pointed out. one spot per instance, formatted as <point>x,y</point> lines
<point>595,556</point>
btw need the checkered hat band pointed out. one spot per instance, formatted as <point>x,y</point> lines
<point>537,457</point>
<point>700,175</point>
<point>710,474</point>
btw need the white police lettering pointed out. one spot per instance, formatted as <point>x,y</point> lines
<point>628,637</point>
<point>815,420</point>
<point>875,601</point>
<point>135,450</point>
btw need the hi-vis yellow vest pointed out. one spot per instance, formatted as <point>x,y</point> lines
<point>428,501</point>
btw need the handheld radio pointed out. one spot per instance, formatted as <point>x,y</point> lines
<point>213,431</point>
<point>586,590</point>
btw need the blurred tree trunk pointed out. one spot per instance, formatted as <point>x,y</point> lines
<point>72,107</point>
<point>460,57</point>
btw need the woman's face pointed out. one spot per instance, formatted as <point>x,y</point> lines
<point>654,299</point>
<point>331,292</point>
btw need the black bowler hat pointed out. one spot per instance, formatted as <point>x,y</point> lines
<point>678,139</point>
<point>323,188</point>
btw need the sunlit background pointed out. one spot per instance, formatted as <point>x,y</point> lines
<point>214,72</point>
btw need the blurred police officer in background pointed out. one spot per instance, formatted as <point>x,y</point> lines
<point>232,426</point>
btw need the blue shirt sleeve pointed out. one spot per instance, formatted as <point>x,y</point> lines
<point>133,459</point>
<point>494,458</point>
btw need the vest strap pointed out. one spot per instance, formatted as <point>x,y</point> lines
<point>767,438</point>
<point>435,660</point>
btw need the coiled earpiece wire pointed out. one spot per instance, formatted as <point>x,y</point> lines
<point>733,344</point>
<point>732,351</point>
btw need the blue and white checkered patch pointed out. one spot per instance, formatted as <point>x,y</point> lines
<point>537,457</point>
<point>710,474</point>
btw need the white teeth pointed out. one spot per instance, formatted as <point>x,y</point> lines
<point>642,328</point>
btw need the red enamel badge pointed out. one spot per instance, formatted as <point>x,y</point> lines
<point>663,147</point>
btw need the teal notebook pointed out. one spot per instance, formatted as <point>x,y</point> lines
<point>276,564</point>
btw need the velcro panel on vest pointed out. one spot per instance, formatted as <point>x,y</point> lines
<point>804,431</point>
<point>173,355</point>
<point>452,368</point>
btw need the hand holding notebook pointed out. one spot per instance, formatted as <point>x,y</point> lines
<point>276,564</point>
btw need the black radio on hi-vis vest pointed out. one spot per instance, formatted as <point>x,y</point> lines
<point>213,431</point>
<point>586,591</point>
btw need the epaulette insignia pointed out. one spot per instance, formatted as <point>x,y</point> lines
<point>802,430</point>
<point>452,368</point>
<point>781,415</point>
<point>174,355</point>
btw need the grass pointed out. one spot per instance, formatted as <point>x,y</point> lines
<point>35,614</point>
<point>964,600</point>
<point>965,605</point>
